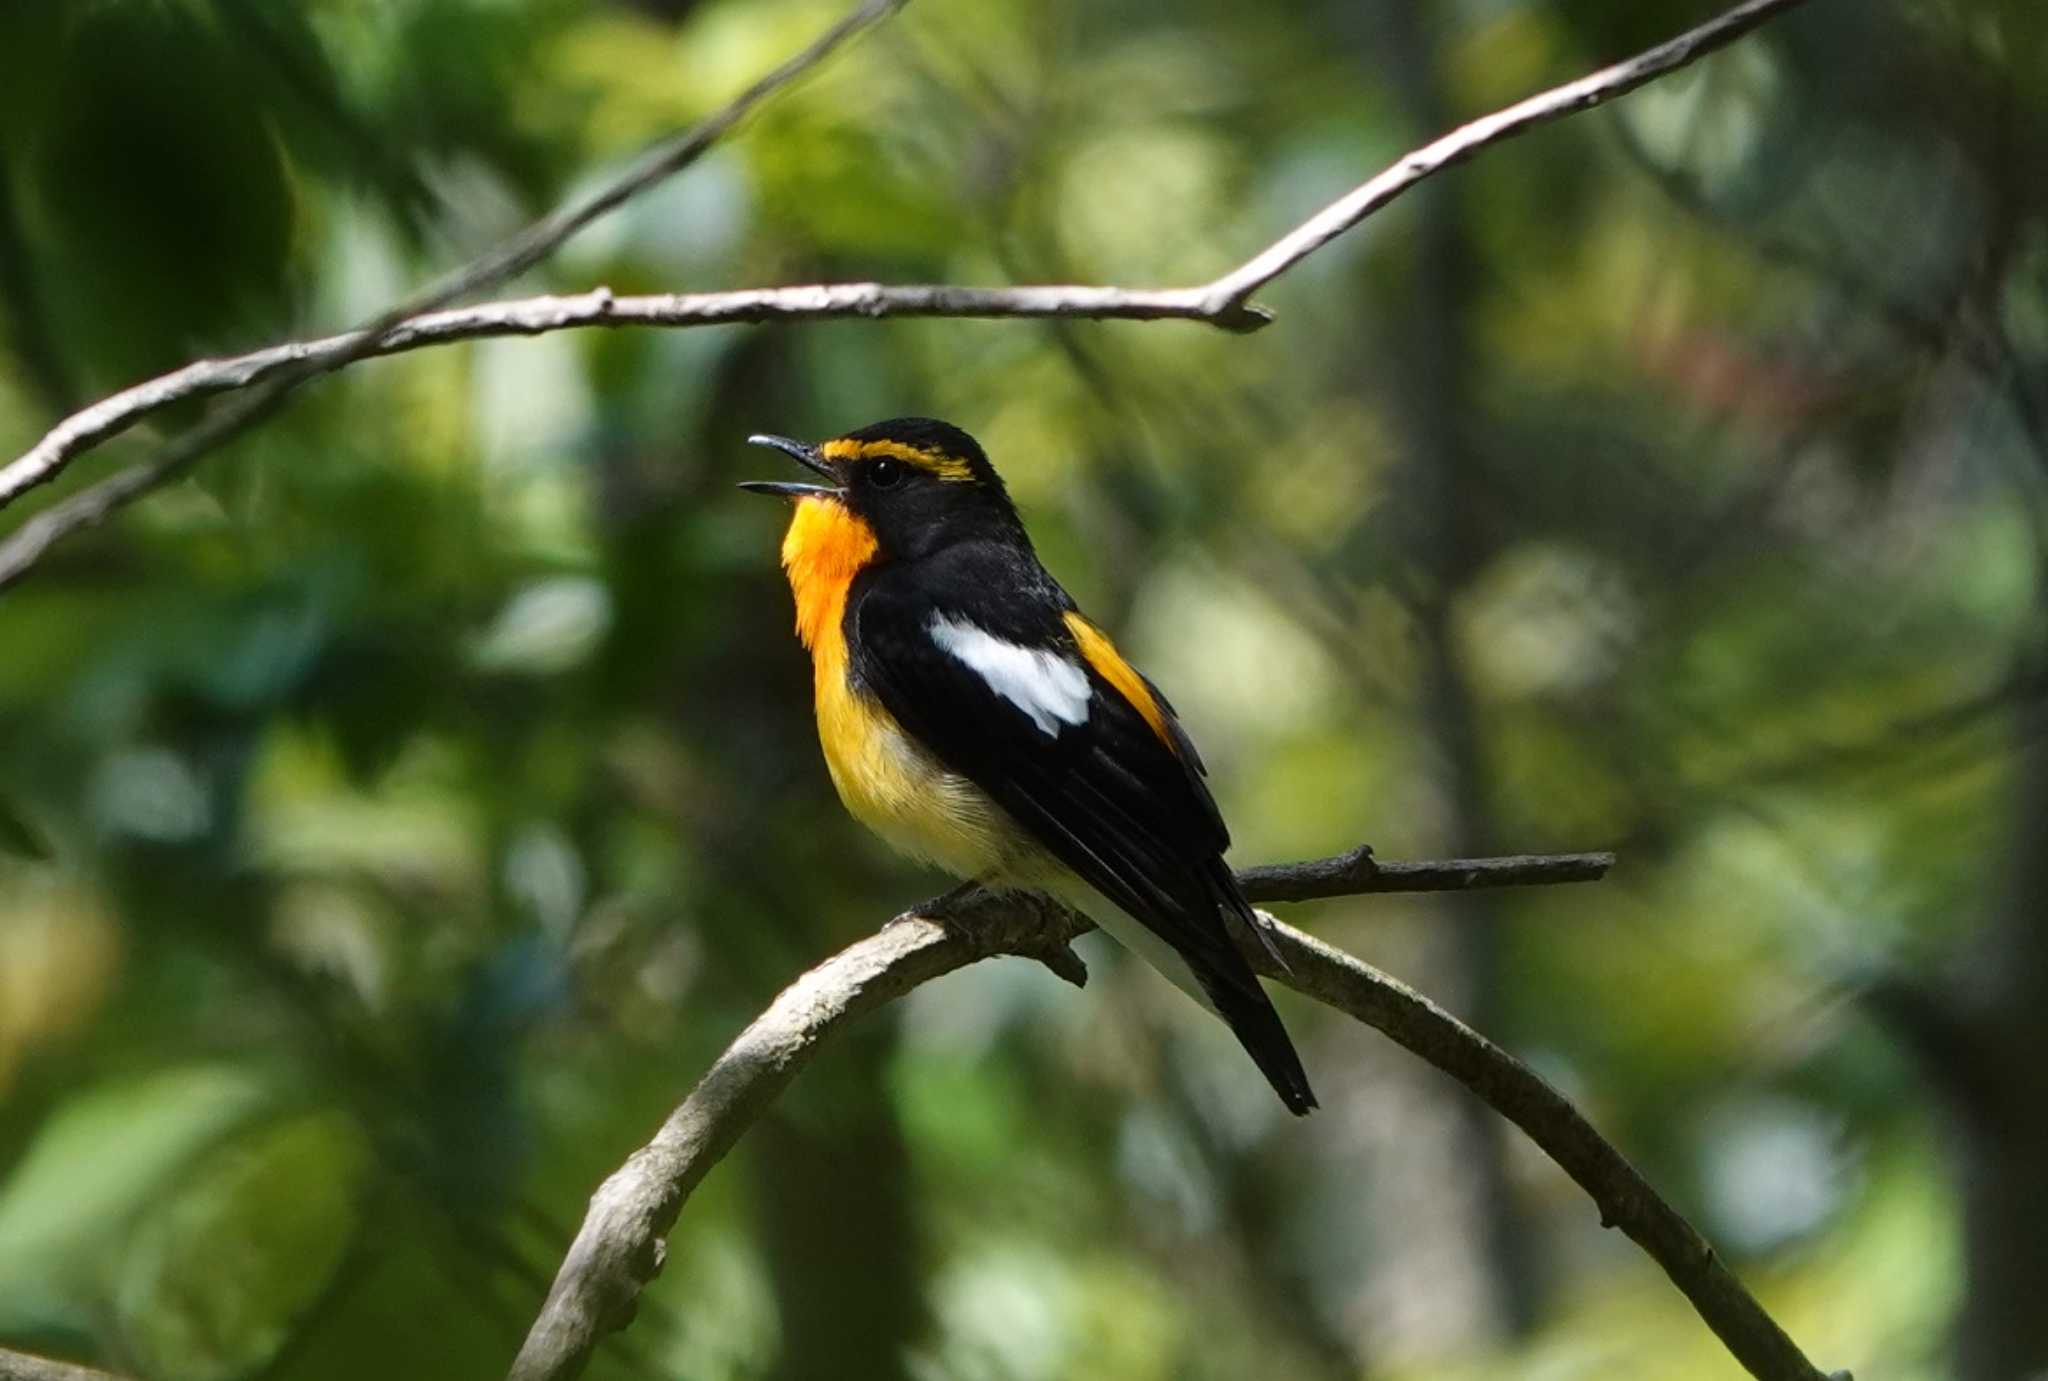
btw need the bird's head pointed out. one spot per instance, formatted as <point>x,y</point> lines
<point>915,484</point>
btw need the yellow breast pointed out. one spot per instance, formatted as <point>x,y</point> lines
<point>887,781</point>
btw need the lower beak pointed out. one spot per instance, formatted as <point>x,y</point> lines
<point>788,490</point>
<point>804,455</point>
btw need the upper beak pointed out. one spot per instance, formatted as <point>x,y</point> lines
<point>804,455</point>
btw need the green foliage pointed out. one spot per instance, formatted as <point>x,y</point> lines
<point>398,816</point>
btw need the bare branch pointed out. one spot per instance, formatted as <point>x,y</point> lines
<point>1223,302</point>
<point>620,1245</point>
<point>26,1366</point>
<point>1358,872</point>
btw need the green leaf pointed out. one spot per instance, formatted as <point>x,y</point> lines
<point>216,1278</point>
<point>99,1161</point>
<point>17,836</point>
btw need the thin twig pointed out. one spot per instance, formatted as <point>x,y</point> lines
<point>295,365</point>
<point>1358,872</point>
<point>620,1246</point>
<point>1223,302</point>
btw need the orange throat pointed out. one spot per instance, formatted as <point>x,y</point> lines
<point>823,551</point>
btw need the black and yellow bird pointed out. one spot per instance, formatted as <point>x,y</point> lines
<point>973,717</point>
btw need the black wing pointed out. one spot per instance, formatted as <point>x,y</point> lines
<point>1124,808</point>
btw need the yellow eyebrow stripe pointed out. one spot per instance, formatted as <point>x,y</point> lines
<point>932,462</point>
<point>1110,665</point>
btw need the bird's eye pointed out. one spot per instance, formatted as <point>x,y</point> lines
<point>885,473</point>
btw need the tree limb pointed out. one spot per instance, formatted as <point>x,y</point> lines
<point>1223,302</point>
<point>620,1245</point>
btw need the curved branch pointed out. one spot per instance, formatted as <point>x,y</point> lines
<point>619,1248</point>
<point>1223,302</point>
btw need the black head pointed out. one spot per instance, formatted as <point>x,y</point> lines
<point>918,483</point>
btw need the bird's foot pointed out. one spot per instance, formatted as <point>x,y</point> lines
<point>942,910</point>
<point>952,912</point>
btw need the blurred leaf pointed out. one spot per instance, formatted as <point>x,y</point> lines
<point>547,627</point>
<point>216,1274</point>
<point>17,836</point>
<point>107,1154</point>
<point>162,210</point>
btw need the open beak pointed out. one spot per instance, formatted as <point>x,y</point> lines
<point>806,456</point>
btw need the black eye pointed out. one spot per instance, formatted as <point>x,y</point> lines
<point>885,473</point>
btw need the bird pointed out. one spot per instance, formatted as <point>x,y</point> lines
<point>973,717</point>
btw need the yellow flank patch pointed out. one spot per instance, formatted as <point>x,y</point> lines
<point>932,462</point>
<point>1110,665</point>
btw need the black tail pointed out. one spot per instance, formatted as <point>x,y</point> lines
<point>1245,1006</point>
<point>1257,1028</point>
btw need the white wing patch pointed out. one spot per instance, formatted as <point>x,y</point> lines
<point>1045,685</point>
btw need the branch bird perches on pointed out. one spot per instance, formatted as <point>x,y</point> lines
<point>619,1247</point>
